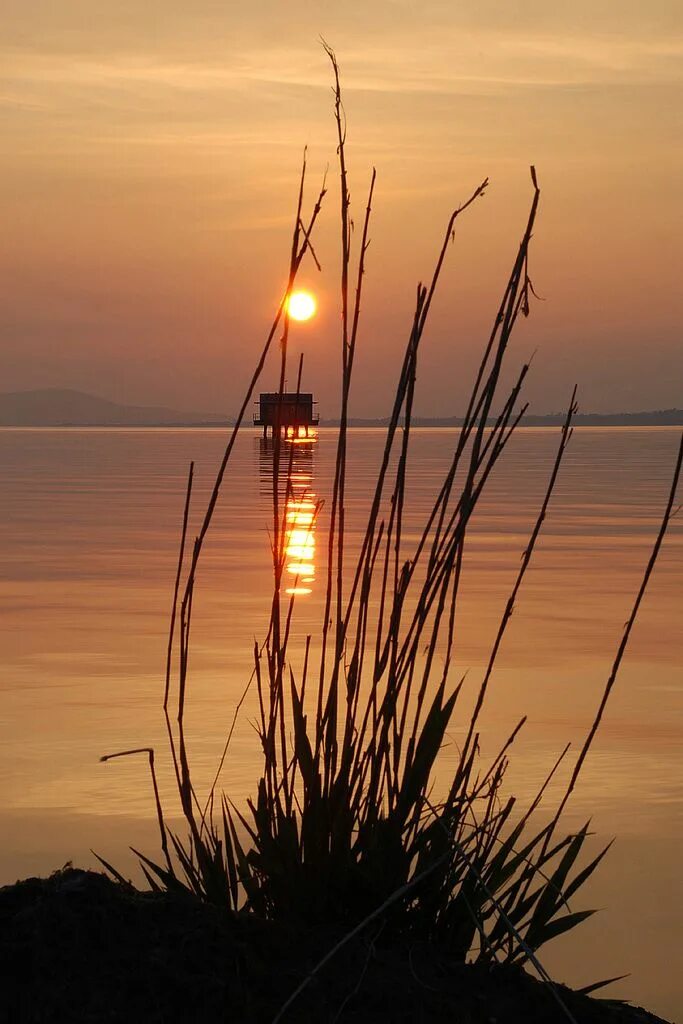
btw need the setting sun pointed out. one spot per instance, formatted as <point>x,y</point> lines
<point>301,305</point>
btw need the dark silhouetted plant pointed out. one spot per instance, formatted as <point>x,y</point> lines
<point>343,828</point>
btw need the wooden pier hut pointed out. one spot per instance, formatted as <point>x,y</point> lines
<point>292,413</point>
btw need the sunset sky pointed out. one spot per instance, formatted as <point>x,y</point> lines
<point>149,172</point>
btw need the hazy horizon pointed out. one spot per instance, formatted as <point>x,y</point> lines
<point>52,405</point>
<point>151,166</point>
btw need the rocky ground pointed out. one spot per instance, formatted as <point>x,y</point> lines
<point>78,947</point>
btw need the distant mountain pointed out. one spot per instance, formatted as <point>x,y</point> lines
<point>656,418</point>
<point>62,407</point>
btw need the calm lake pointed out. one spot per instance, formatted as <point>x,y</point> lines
<point>90,522</point>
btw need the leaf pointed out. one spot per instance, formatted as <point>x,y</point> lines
<point>539,935</point>
<point>230,856</point>
<point>246,876</point>
<point>153,884</point>
<point>112,871</point>
<point>553,895</point>
<point>584,875</point>
<point>601,984</point>
<point>516,915</point>
<point>191,872</point>
<point>302,746</point>
<point>416,777</point>
<point>170,882</point>
<point>499,872</point>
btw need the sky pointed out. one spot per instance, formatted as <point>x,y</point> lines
<point>150,166</point>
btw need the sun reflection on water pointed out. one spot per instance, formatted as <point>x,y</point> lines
<point>301,507</point>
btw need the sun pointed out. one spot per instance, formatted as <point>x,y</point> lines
<point>301,305</point>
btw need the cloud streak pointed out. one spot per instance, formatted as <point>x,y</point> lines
<point>485,61</point>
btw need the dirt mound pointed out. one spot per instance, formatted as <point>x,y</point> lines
<point>78,947</point>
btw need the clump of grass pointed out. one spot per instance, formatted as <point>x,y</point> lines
<point>344,826</point>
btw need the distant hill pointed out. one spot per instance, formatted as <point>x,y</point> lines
<point>656,418</point>
<point>62,407</point>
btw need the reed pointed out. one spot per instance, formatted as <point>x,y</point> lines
<point>344,827</point>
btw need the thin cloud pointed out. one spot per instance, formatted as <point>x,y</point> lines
<point>482,62</point>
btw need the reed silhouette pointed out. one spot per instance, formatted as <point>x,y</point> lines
<point>345,827</point>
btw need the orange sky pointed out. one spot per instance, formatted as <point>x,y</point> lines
<point>150,165</point>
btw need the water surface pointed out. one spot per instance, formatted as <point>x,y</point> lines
<point>88,546</point>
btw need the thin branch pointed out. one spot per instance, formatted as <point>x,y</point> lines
<point>160,814</point>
